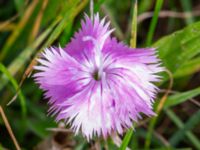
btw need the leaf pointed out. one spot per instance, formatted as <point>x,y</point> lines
<point>188,68</point>
<point>16,87</point>
<point>181,97</point>
<point>178,49</point>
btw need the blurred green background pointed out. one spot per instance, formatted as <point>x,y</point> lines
<point>28,26</point>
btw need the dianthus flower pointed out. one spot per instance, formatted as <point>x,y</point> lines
<point>97,84</point>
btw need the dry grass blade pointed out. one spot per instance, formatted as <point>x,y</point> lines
<point>133,40</point>
<point>17,30</point>
<point>25,75</point>
<point>38,21</point>
<point>163,99</point>
<point>158,110</point>
<point>9,129</point>
<point>92,9</point>
<point>168,13</point>
<point>34,60</point>
<point>8,25</point>
<point>59,130</point>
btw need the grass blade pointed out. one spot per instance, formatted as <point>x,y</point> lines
<point>181,97</point>
<point>26,54</point>
<point>18,30</point>
<point>194,120</point>
<point>126,139</point>
<point>154,22</point>
<point>180,125</point>
<point>187,6</point>
<point>134,26</point>
<point>38,20</point>
<point>9,128</point>
<point>69,15</point>
<point>16,87</point>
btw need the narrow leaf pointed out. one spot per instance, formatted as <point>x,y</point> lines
<point>181,97</point>
<point>189,125</point>
<point>16,86</point>
<point>154,22</point>
<point>193,139</point>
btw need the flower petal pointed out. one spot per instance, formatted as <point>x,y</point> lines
<point>92,36</point>
<point>61,76</point>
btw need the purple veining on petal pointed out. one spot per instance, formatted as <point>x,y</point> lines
<point>97,84</point>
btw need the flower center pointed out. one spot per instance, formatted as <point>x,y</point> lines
<point>96,75</point>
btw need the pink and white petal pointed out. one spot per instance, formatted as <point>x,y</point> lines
<point>92,36</point>
<point>58,68</point>
<point>129,99</point>
<point>91,111</point>
<point>60,76</point>
<point>114,51</point>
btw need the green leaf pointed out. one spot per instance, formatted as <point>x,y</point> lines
<point>179,51</point>
<point>181,97</point>
<point>188,68</point>
<point>16,87</point>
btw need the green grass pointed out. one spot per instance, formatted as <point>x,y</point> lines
<point>154,22</point>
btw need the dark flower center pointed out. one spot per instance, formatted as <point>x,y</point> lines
<point>96,75</point>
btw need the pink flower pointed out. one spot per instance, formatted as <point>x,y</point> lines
<point>96,84</point>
